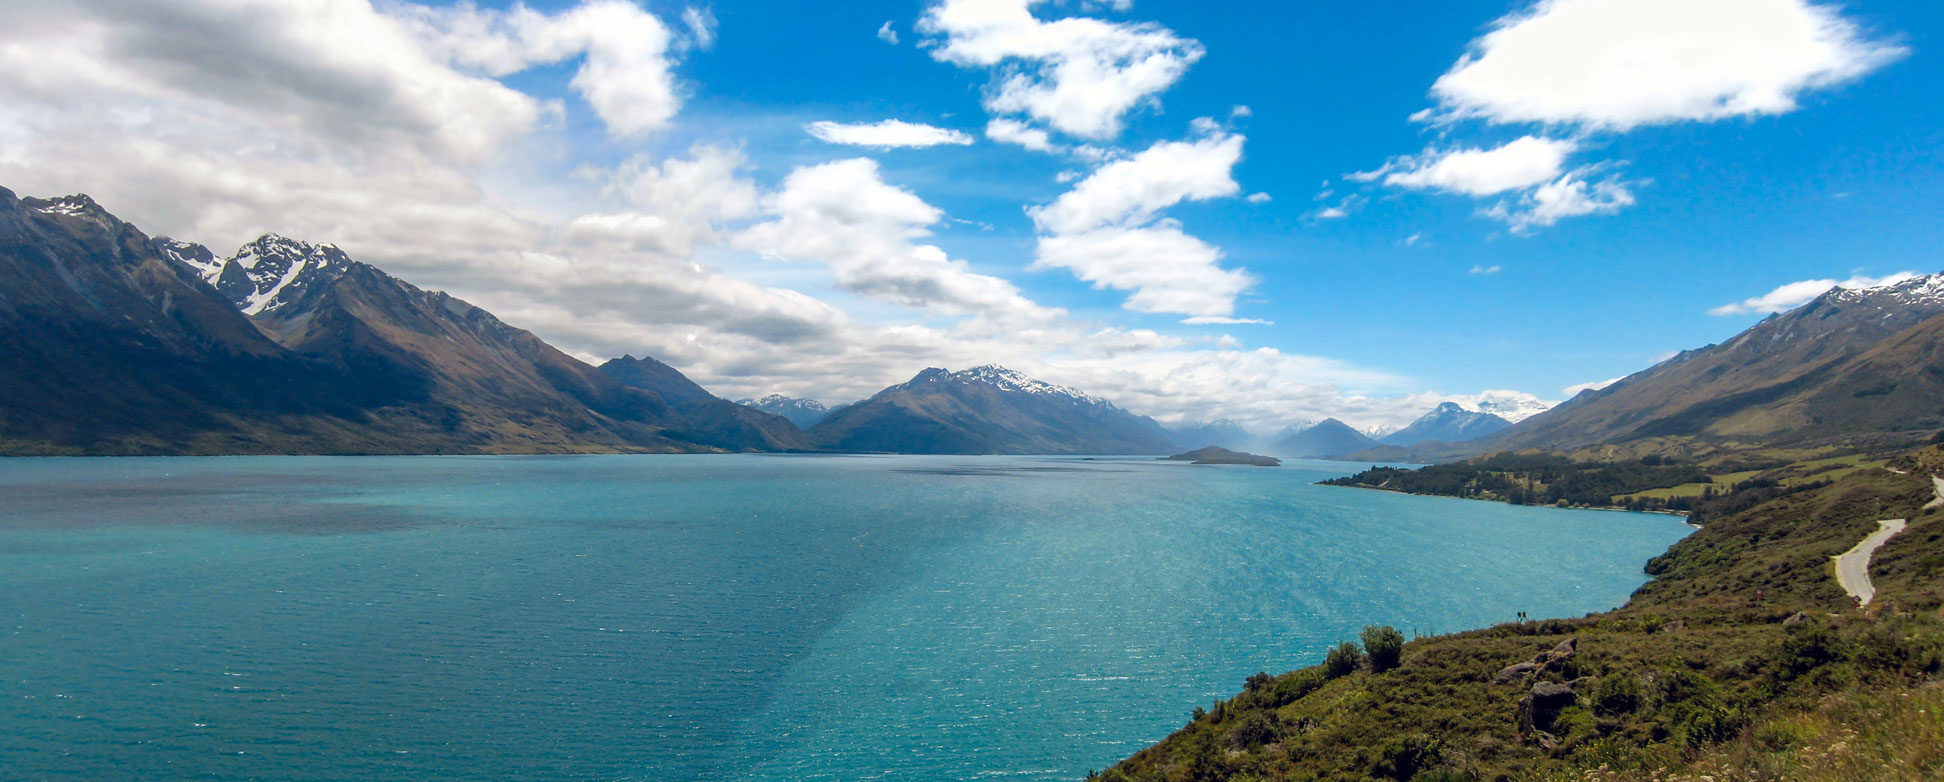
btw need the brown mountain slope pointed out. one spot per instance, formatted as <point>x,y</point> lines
<point>108,347</point>
<point>1758,387</point>
<point>438,367</point>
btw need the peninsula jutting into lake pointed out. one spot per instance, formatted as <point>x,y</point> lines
<point>971,389</point>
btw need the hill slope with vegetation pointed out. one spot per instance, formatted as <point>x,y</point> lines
<point>1742,660</point>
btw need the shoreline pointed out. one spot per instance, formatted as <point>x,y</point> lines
<point>1368,487</point>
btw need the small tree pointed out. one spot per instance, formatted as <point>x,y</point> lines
<point>1385,646</point>
<point>1342,661</point>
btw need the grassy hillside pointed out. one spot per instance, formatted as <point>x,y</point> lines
<point>1742,660</point>
<point>1655,482</point>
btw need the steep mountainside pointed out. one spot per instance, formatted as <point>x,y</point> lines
<point>987,409</point>
<point>1448,422</point>
<point>112,342</point>
<point>805,413</point>
<point>1324,439</point>
<point>651,375</point>
<point>704,417</point>
<point>108,346</point>
<point>437,365</point>
<point>1799,376</point>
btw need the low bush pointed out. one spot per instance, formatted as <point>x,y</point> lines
<point>1342,661</point>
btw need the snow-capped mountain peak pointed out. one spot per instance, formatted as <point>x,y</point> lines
<point>1514,406</point>
<point>195,256</point>
<point>805,413</point>
<point>1921,291</point>
<point>1009,380</point>
<point>71,205</point>
<point>271,271</point>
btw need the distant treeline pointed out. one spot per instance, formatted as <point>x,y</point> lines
<point>1541,479</point>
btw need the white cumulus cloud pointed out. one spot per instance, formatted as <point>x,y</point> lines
<point>1107,231</point>
<point>1609,66</point>
<point>1568,196</point>
<point>1079,75</point>
<point>1134,190</point>
<point>626,63</point>
<point>1623,63</point>
<point>1516,165</point>
<point>846,216</point>
<point>1012,131</point>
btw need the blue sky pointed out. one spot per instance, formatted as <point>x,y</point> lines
<point>1819,160</point>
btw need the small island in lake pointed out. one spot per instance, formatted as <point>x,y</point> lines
<point>1215,455</point>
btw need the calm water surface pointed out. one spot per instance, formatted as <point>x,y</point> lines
<point>710,617</point>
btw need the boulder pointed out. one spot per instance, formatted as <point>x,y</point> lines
<point>1542,705</point>
<point>1512,673</point>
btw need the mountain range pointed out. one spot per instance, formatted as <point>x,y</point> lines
<point>112,342</point>
<point>1325,439</point>
<point>1448,422</point>
<point>118,343</point>
<point>987,409</point>
<point>805,413</point>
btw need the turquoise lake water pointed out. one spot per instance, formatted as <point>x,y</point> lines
<point>711,617</point>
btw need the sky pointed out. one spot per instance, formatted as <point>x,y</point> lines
<point>1263,212</point>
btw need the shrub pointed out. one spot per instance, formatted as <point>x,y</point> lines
<point>1402,759</point>
<point>1618,693</point>
<point>1705,721</point>
<point>1385,646</point>
<point>1808,648</point>
<point>1342,661</point>
<point>1255,730</point>
<point>1292,687</point>
<point>1781,736</point>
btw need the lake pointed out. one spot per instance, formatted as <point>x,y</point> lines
<point>711,617</point>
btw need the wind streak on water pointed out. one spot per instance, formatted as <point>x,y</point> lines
<point>752,617</point>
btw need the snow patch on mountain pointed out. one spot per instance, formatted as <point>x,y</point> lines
<point>195,256</point>
<point>1010,380</point>
<point>805,413</point>
<point>1925,291</point>
<point>1514,406</point>
<point>262,275</point>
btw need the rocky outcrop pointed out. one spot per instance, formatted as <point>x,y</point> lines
<point>1540,663</point>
